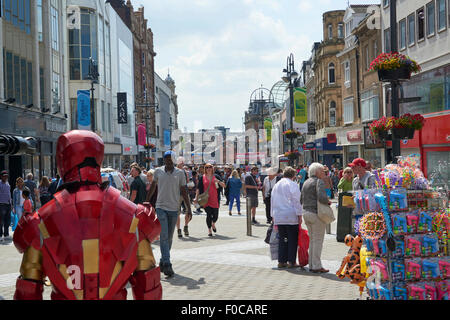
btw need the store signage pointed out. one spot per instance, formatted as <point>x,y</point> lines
<point>122,113</point>
<point>142,133</point>
<point>310,145</point>
<point>300,110</point>
<point>354,135</point>
<point>331,137</point>
<point>311,128</point>
<point>84,109</point>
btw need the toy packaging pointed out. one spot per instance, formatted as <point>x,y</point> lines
<point>405,236</point>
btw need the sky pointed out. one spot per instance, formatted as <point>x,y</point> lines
<point>219,52</point>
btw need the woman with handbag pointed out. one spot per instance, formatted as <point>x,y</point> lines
<point>207,195</point>
<point>315,202</point>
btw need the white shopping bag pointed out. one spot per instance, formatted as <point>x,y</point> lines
<point>274,239</point>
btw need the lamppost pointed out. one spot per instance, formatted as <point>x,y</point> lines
<point>93,76</point>
<point>290,78</point>
<point>148,105</point>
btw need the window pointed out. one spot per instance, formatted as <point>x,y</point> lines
<point>348,111</point>
<point>420,24</point>
<point>55,30</point>
<point>369,105</point>
<point>55,92</point>
<point>387,40</point>
<point>23,81</point>
<point>330,31</point>
<point>411,29</point>
<point>83,45</point>
<point>104,116</point>
<point>107,56</point>
<point>441,18</point>
<point>143,59</point>
<point>39,19</point>
<point>385,3</point>
<point>367,56</point>
<point>101,52</point>
<point>431,25</point>
<point>9,75</point>
<point>332,120</point>
<point>74,113</point>
<point>18,12</point>
<point>331,73</point>
<point>402,34</point>
<point>340,30</point>
<point>41,85</point>
<point>109,116</point>
<point>30,82</point>
<point>347,73</point>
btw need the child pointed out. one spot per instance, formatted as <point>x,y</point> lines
<point>27,205</point>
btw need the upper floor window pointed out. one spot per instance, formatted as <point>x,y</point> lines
<point>340,30</point>
<point>411,29</point>
<point>330,31</point>
<point>431,21</point>
<point>385,3</point>
<point>387,40</point>
<point>348,111</point>
<point>347,73</point>
<point>332,120</point>
<point>370,109</point>
<point>18,12</point>
<point>420,24</point>
<point>55,28</point>
<point>441,18</point>
<point>402,34</point>
<point>331,73</point>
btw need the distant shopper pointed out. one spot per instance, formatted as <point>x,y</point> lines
<point>171,182</point>
<point>328,183</point>
<point>345,184</point>
<point>251,185</point>
<point>154,197</point>
<point>30,184</point>
<point>286,212</point>
<point>137,188</point>
<point>313,191</point>
<point>302,176</point>
<point>364,179</point>
<point>27,204</point>
<point>234,185</point>
<point>268,185</point>
<point>17,199</point>
<point>5,206</point>
<point>44,194</point>
<point>211,182</point>
<point>183,204</point>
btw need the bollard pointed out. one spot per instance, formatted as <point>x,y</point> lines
<point>249,217</point>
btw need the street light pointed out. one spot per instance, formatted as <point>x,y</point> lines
<point>93,76</point>
<point>148,105</point>
<point>290,78</point>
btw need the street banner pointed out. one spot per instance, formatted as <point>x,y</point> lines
<point>122,113</point>
<point>268,127</point>
<point>300,110</point>
<point>167,138</point>
<point>84,110</point>
<point>142,133</point>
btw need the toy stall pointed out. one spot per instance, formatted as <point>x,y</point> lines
<point>400,250</point>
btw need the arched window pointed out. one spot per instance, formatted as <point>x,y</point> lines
<point>332,120</point>
<point>331,73</point>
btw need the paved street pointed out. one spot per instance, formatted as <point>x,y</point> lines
<point>228,266</point>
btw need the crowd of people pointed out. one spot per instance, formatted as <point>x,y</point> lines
<point>290,197</point>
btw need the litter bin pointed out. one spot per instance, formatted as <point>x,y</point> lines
<point>344,220</point>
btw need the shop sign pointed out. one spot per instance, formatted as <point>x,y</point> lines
<point>331,137</point>
<point>122,113</point>
<point>311,128</point>
<point>83,109</point>
<point>354,135</point>
<point>310,145</point>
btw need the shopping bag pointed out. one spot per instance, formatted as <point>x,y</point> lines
<point>14,221</point>
<point>274,239</point>
<point>303,245</point>
<point>268,234</point>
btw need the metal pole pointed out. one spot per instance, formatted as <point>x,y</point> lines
<point>249,217</point>
<point>394,85</point>
<point>92,107</point>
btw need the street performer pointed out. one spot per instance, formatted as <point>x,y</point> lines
<point>89,240</point>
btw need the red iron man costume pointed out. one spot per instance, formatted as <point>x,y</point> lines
<point>89,241</point>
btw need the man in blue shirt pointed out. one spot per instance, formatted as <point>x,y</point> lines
<point>302,176</point>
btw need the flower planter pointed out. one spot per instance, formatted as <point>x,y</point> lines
<point>384,135</point>
<point>403,133</point>
<point>399,74</point>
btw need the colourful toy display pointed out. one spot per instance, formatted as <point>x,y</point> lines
<point>405,236</point>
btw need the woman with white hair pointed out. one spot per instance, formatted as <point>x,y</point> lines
<point>314,190</point>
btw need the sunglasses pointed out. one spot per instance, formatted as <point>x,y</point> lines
<point>208,167</point>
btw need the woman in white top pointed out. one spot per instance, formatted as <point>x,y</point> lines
<point>286,212</point>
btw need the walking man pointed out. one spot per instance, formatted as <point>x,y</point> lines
<point>251,185</point>
<point>171,182</point>
<point>5,206</point>
<point>137,188</point>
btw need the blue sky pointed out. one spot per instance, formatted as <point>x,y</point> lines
<point>218,52</point>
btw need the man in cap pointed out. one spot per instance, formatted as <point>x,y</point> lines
<point>171,181</point>
<point>5,206</point>
<point>364,179</point>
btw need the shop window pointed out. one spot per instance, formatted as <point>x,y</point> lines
<point>438,169</point>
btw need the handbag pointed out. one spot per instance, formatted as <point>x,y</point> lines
<point>324,211</point>
<point>203,198</point>
<point>303,245</point>
<point>274,239</point>
<point>268,234</point>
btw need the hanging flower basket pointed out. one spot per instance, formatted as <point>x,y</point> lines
<point>292,155</point>
<point>400,128</point>
<point>379,128</point>
<point>403,133</point>
<point>394,66</point>
<point>291,134</point>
